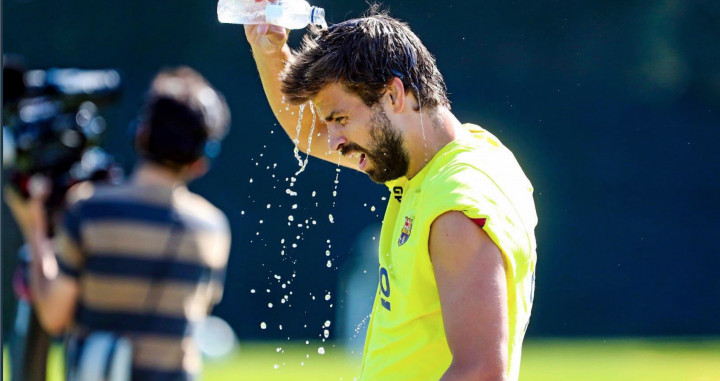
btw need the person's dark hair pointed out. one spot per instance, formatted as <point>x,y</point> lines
<point>364,55</point>
<point>181,114</point>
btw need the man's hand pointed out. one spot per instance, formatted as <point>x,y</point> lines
<point>266,39</point>
<point>54,295</point>
<point>30,214</point>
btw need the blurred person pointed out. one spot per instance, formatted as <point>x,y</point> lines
<point>457,249</point>
<point>134,266</point>
<point>51,125</point>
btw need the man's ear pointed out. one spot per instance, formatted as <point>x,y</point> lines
<point>396,95</point>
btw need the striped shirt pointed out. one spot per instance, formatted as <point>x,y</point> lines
<point>150,262</point>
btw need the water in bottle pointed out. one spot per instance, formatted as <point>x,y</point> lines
<point>291,14</point>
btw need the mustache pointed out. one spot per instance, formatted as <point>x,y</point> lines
<point>352,147</point>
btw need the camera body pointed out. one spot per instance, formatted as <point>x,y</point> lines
<point>51,126</point>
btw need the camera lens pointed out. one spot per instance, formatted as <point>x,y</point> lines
<point>8,148</point>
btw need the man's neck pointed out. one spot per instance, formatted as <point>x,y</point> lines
<point>438,128</point>
<point>148,173</point>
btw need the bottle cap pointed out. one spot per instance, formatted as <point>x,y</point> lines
<point>317,16</point>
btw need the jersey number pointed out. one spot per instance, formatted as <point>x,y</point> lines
<point>398,192</point>
<point>384,288</point>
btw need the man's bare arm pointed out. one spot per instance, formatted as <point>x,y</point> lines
<point>271,54</point>
<point>54,296</point>
<point>470,275</point>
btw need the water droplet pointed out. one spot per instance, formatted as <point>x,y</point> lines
<point>263,325</point>
<point>278,349</point>
<point>268,206</point>
<point>270,305</point>
<point>291,218</point>
<point>321,350</point>
<point>314,193</point>
<point>251,180</point>
<point>326,333</point>
<point>252,291</point>
<point>276,366</point>
<point>327,297</point>
<point>372,208</point>
<point>329,263</point>
<point>294,206</point>
<point>331,218</point>
<point>327,323</point>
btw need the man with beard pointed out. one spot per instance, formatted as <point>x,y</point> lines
<point>457,248</point>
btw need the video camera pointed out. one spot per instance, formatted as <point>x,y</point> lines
<point>51,126</point>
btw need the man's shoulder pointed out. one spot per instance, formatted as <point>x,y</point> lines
<point>200,209</point>
<point>88,191</point>
<point>460,165</point>
<point>478,160</point>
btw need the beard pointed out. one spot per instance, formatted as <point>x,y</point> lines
<point>389,158</point>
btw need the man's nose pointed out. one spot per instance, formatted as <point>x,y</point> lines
<point>335,138</point>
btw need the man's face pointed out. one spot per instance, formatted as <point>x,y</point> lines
<point>363,133</point>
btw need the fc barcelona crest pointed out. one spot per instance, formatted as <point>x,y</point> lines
<point>405,233</point>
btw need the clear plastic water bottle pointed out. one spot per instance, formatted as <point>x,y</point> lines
<point>291,14</point>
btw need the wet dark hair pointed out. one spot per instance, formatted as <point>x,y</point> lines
<point>181,114</point>
<point>364,55</point>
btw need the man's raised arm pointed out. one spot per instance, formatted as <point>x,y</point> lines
<point>271,54</point>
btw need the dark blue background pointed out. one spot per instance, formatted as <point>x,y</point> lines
<point>612,108</point>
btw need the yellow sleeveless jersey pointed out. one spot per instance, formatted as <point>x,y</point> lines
<point>480,177</point>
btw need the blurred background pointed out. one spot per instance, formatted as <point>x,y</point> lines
<point>611,107</point>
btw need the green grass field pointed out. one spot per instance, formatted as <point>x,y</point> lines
<point>543,360</point>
